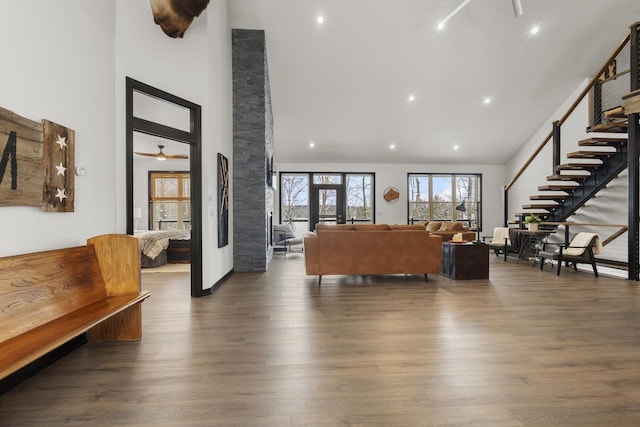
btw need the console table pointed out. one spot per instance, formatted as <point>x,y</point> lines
<point>530,243</point>
<point>462,261</point>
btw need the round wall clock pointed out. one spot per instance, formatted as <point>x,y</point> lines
<point>391,194</point>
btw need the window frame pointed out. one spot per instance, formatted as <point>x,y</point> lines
<point>455,200</point>
<point>311,183</point>
<point>180,199</point>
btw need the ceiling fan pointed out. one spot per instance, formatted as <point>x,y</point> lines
<point>162,156</point>
<point>517,10</point>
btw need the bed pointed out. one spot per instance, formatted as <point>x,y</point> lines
<point>154,244</point>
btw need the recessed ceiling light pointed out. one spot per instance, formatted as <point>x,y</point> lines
<point>455,147</point>
<point>312,144</point>
<point>392,146</point>
<point>534,30</point>
<point>486,101</point>
<point>320,19</point>
<point>411,98</point>
<point>441,25</point>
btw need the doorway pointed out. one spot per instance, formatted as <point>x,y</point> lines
<point>327,204</point>
<point>154,113</point>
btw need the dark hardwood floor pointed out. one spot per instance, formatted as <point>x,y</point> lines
<point>274,349</point>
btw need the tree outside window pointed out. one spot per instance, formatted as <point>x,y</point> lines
<point>445,197</point>
<point>170,200</point>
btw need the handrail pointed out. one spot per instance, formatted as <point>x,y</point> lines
<point>595,78</point>
<point>623,228</point>
<point>528,162</point>
<point>577,102</point>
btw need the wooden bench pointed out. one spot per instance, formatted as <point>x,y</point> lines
<point>49,298</point>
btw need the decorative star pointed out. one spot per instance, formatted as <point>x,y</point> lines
<point>60,194</point>
<point>61,169</point>
<point>62,141</point>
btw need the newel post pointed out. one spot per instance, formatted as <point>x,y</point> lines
<point>505,206</point>
<point>632,159</point>
<point>556,146</point>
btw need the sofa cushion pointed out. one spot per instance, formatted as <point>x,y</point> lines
<point>369,227</point>
<point>406,227</point>
<point>434,226</point>
<point>451,226</point>
<point>335,227</point>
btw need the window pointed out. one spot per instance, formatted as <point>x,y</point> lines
<point>359,198</point>
<point>294,199</point>
<point>308,197</point>
<point>170,200</point>
<point>445,197</point>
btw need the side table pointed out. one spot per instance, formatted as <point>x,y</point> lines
<point>463,261</point>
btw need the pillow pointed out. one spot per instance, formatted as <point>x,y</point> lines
<point>283,231</point>
<point>434,226</point>
<point>451,226</point>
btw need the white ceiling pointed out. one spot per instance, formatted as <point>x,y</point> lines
<point>344,84</point>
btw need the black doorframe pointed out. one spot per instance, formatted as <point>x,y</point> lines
<point>341,211</point>
<point>194,139</point>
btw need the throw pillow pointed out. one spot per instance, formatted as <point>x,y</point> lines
<point>434,226</point>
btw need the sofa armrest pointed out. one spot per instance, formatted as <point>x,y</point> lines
<point>311,254</point>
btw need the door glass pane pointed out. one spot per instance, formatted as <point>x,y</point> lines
<point>327,206</point>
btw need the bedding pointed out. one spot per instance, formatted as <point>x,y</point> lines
<point>154,243</point>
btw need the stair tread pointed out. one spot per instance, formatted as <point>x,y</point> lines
<point>548,197</point>
<point>567,177</point>
<point>557,187</point>
<point>587,154</point>
<point>541,214</point>
<point>540,206</point>
<point>601,142</point>
<point>610,127</point>
<point>617,113</point>
<point>577,166</point>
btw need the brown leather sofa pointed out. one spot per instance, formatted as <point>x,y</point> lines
<point>372,249</point>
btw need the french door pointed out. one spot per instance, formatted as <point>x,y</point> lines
<point>327,204</point>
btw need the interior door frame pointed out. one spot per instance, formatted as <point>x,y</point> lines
<point>341,209</point>
<point>194,139</point>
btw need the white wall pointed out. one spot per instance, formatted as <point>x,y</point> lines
<point>57,63</point>
<point>493,179</point>
<point>218,138</point>
<point>67,61</point>
<point>197,68</point>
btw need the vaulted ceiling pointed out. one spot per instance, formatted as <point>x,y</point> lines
<point>344,84</point>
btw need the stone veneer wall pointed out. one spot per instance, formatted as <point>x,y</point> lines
<point>252,143</point>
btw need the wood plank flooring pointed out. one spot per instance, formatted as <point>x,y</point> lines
<point>525,348</point>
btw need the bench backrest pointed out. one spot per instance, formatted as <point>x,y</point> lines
<point>39,287</point>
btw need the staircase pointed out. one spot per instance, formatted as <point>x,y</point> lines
<point>587,171</point>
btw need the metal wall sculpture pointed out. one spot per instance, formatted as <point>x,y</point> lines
<point>223,201</point>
